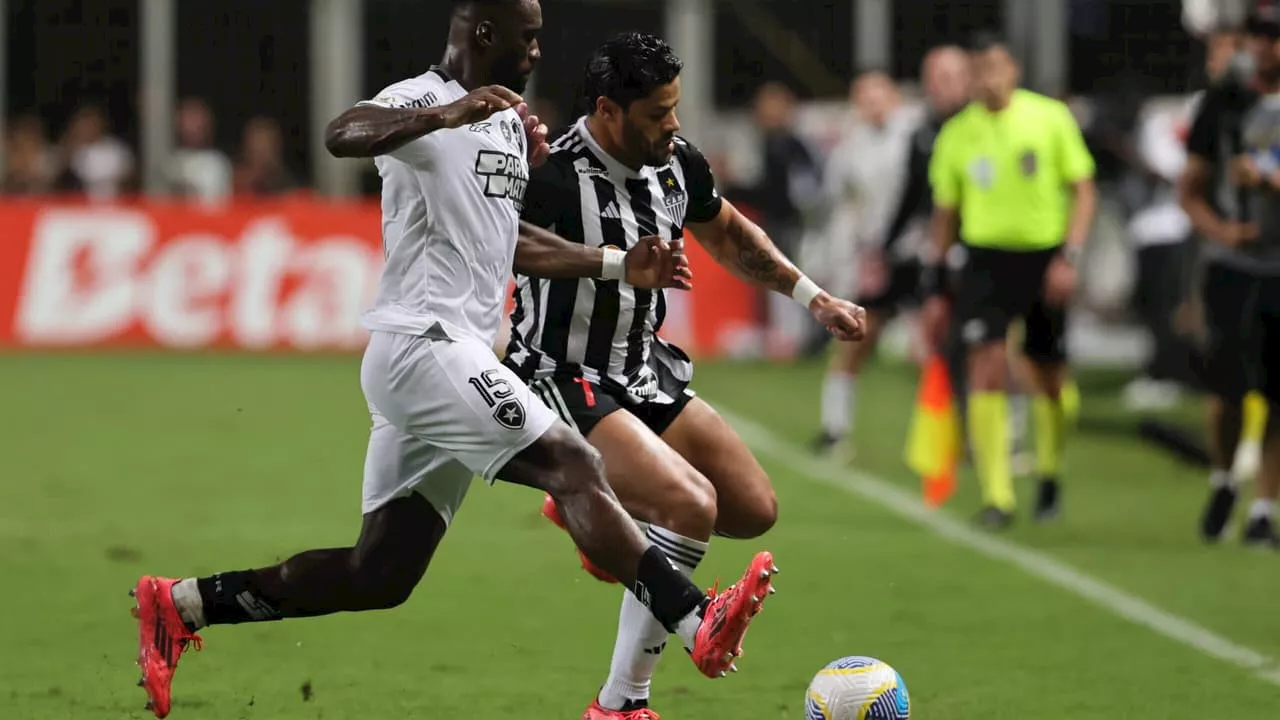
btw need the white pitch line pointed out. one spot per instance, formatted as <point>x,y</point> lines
<point>1033,563</point>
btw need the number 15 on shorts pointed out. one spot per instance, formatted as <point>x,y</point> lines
<point>501,397</point>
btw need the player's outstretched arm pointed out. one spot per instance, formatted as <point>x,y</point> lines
<point>746,250</point>
<point>369,130</point>
<point>652,263</point>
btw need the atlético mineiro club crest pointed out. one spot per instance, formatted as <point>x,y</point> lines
<point>677,204</point>
<point>674,198</point>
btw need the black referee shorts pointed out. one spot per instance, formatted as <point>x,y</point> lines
<point>1000,286</point>
<point>1242,319</point>
<point>584,404</point>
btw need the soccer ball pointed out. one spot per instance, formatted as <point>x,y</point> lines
<point>857,688</point>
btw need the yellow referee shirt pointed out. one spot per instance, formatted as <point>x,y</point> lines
<point>1008,172</point>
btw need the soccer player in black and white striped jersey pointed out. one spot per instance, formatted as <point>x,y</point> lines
<point>590,348</point>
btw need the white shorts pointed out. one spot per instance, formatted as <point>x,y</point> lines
<point>443,412</point>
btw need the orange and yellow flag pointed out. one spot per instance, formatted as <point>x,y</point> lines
<point>933,440</point>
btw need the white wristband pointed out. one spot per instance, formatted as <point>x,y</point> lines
<point>615,264</point>
<point>805,292</point>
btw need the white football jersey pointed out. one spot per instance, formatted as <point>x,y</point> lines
<point>451,203</point>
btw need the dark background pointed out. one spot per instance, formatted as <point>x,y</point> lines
<point>250,57</point>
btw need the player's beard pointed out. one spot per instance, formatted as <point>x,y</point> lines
<point>651,153</point>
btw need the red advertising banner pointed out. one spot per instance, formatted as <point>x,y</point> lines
<point>279,276</point>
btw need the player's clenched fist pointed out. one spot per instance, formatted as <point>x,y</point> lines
<point>655,263</point>
<point>478,105</point>
<point>845,320</point>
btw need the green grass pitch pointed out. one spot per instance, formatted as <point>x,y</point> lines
<point>174,464</point>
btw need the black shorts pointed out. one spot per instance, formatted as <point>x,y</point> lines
<point>902,290</point>
<point>1242,322</point>
<point>1000,286</point>
<point>583,404</point>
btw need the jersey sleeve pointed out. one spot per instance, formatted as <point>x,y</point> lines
<point>1203,138</point>
<point>944,175</point>
<point>418,92</point>
<point>548,194</point>
<point>1075,161</point>
<point>704,200</point>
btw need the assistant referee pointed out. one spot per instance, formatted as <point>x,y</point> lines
<point>1012,179</point>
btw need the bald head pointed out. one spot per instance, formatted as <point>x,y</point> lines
<point>945,78</point>
<point>875,97</point>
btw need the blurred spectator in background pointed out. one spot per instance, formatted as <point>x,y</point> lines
<point>260,169</point>
<point>1231,192</point>
<point>792,176</point>
<point>29,164</point>
<point>864,183</point>
<point>94,162</point>
<point>1161,233</point>
<point>788,192</point>
<point>863,178</point>
<point>198,169</point>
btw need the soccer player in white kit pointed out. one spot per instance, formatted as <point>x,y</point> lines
<point>453,148</point>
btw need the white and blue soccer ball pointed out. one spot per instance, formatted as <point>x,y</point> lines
<point>857,688</point>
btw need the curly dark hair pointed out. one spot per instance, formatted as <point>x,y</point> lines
<point>629,67</point>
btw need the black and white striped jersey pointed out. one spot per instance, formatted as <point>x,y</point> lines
<point>605,331</point>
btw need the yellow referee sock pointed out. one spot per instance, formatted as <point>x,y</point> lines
<point>1051,430</point>
<point>1069,397</point>
<point>1254,422</point>
<point>992,447</point>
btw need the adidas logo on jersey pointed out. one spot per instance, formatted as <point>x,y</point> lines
<point>611,212</point>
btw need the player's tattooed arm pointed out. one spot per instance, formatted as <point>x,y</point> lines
<point>652,263</point>
<point>745,249</point>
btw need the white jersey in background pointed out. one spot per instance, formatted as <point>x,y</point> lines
<point>451,204</point>
<point>865,174</point>
<point>863,178</point>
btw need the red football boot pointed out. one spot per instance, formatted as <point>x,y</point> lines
<point>597,712</point>
<point>550,512</point>
<point>725,621</point>
<point>162,638</point>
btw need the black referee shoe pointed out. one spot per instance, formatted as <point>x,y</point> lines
<point>1217,512</point>
<point>1048,500</point>
<point>993,518</point>
<point>1261,531</point>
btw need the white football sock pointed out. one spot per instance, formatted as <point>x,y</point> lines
<point>838,391</point>
<point>186,597</point>
<point>641,638</point>
<point>1221,478</point>
<point>1262,508</point>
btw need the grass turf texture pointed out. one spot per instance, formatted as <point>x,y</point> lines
<point>118,465</point>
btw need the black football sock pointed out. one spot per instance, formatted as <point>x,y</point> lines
<point>233,597</point>
<point>667,592</point>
